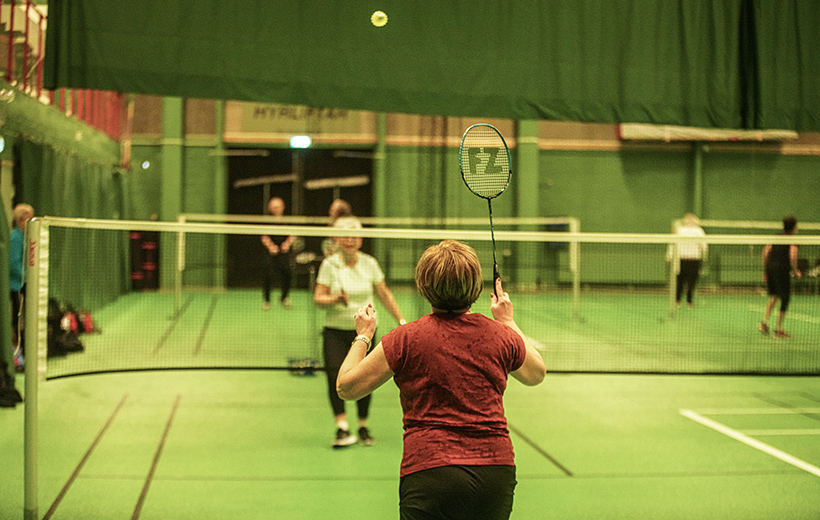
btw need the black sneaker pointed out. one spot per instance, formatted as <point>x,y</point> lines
<point>343,439</point>
<point>364,437</point>
<point>7,400</point>
<point>9,396</point>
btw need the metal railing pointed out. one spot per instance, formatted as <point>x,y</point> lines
<point>24,23</point>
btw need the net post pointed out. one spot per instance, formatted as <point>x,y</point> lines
<point>36,312</point>
<point>575,268</point>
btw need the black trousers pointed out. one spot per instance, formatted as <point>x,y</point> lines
<point>335,346</point>
<point>687,278</point>
<point>458,493</point>
<point>278,264</point>
<point>15,318</point>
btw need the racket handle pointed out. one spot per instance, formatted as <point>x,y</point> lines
<point>496,276</point>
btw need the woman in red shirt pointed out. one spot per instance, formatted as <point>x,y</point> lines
<point>451,369</point>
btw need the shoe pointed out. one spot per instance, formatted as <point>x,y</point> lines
<point>6,400</point>
<point>763,328</point>
<point>9,397</point>
<point>286,304</point>
<point>266,306</point>
<point>343,439</point>
<point>781,334</point>
<point>364,437</point>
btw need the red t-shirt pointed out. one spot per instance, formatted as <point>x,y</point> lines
<point>451,370</point>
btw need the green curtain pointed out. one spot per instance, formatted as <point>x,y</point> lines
<point>87,268</point>
<point>705,63</point>
<point>788,64</point>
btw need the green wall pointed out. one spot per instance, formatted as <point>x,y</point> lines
<point>627,191</point>
<point>761,186</point>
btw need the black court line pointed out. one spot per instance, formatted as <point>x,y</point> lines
<point>201,338</point>
<point>175,321</point>
<point>537,448</point>
<point>810,397</point>
<point>150,477</point>
<point>781,404</point>
<point>63,492</point>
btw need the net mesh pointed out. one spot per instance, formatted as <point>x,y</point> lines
<point>485,161</point>
<point>609,306</point>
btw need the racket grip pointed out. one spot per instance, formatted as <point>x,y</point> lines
<point>496,276</point>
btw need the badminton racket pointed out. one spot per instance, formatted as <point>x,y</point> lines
<point>484,160</point>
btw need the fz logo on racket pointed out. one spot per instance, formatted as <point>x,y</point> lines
<point>484,161</point>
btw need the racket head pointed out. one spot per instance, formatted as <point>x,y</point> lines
<point>484,160</point>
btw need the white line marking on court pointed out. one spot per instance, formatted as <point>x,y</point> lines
<point>803,317</point>
<point>792,315</point>
<point>759,411</point>
<point>798,431</point>
<point>754,443</point>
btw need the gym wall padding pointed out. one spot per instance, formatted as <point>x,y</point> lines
<point>705,63</point>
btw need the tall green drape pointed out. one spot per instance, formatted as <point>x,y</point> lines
<point>705,63</point>
<point>62,184</point>
<point>788,64</point>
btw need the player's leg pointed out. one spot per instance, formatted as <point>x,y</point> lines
<point>286,276</point>
<point>267,280</point>
<point>772,285</point>
<point>679,280</point>
<point>335,344</point>
<point>363,409</point>
<point>694,273</point>
<point>785,298</point>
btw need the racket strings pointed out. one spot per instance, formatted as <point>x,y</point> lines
<point>485,162</point>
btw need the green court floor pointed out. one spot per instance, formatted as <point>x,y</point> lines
<point>229,444</point>
<point>251,442</point>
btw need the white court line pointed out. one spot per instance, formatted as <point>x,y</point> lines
<point>792,315</point>
<point>759,411</point>
<point>797,431</point>
<point>754,443</point>
<point>803,317</point>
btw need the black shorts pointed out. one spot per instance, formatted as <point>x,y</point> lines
<point>779,282</point>
<point>458,493</point>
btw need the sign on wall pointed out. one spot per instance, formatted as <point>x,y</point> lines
<point>273,123</point>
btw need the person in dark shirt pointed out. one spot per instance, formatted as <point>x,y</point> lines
<point>779,261</point>
<point>277,259</point>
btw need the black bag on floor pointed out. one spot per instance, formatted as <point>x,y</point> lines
<point>63,337</point>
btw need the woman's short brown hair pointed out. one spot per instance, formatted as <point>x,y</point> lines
<point>448,275</point>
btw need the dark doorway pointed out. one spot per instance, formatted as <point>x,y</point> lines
<point>276,172</point>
